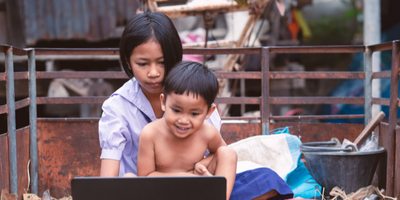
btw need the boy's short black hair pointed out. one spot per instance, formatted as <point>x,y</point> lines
<point>145,26</point>
<point>192,77</point>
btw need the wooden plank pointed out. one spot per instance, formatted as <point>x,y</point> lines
<point>198,9</point>
<point>4,163</point>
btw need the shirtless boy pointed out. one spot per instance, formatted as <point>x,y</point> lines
<point>175,144</point>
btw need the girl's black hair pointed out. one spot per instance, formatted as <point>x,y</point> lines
<point>192,77</point>
<point>145,26</point>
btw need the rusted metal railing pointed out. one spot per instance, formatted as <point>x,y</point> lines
<point>264,100</point>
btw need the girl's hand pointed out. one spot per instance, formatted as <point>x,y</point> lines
<point>201,170</point>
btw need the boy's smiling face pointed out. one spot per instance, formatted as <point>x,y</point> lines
<point>185,114</point>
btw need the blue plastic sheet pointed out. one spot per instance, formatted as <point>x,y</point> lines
<point>299,179</point>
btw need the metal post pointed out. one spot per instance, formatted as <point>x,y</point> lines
<point>242,94</point>
<point>12,135</point>
<point>265,59</point>
<point>372,35</point>
<point>367,85</point>
<point>394,92</point>
<point>32,121</point>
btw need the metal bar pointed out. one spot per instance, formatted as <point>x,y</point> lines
<point>238,75</point>
<point>381,47</point>
<point>115,51</point>
<point>381,101</point>
<point>265,61</point>
<point>368,85</point>
<point>12,135</point>
<point>240,118</point>
<point>3,109</point>
<point>81,74</point>
<point>317,75</point>
<point>16,51</point>
<point>226,75</point>
<point>394,92</point>
<point>70,100</point>
<point>238,100</point>
<point>275,49</point>
<point>76,51</point>
<point>242,94</point>
<point>33,150</point>
<point>397,163</point>
<point>317,117</point>
<point>247,50</point>
<point>21,75</point>
<point>316,100</point>
<point>319,49</point>
<point>382,74</point>
<point>22,103</point>
<point>69,119</point>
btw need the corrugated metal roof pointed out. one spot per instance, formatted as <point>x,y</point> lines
<point>91,20</point>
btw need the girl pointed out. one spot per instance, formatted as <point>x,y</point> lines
<point>150,46</point>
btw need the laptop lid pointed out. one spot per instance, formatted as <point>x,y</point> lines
<point>177,188</point>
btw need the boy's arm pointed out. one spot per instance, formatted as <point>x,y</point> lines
<point>215,141</point>
<point>146,157</point>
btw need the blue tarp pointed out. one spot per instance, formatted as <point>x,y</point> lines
<point>355,87</point>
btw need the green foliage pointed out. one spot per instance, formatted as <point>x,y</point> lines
<point>336,30</point>
<point>333,30</point>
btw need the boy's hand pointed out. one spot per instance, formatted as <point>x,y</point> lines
<point>200,169</point>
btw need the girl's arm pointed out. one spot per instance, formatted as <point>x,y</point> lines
<point>109,168</point>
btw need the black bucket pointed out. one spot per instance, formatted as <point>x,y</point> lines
<point>331,165</point>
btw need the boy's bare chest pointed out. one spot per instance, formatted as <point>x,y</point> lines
<point>172,157</point>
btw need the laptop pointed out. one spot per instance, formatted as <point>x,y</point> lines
<point>149,188</point>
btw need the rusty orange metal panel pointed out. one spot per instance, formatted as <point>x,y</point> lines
<point>311,132</point>
<point>67,148</point>
<point>232,132</point>
<point>22,159</point>
<point>4,163</point>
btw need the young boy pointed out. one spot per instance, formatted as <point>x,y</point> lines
<point>175,144</point>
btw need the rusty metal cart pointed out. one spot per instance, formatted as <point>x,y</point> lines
<point>62,148</point>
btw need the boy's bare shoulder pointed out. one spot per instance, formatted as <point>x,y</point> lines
<point>151,128</point>
<point>209,130</point>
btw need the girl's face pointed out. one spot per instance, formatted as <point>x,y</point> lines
<point>147,65</point>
